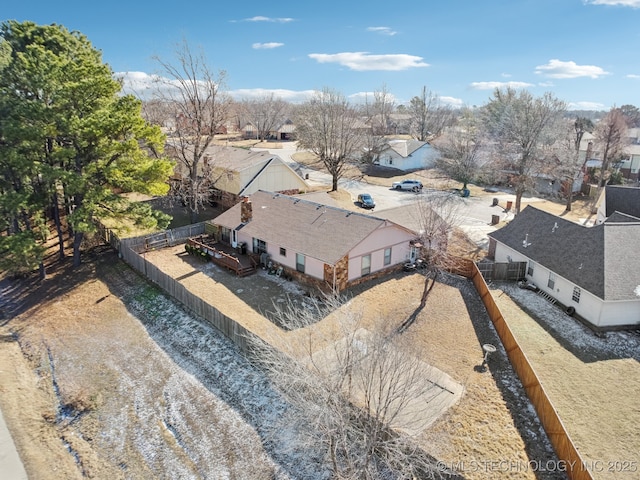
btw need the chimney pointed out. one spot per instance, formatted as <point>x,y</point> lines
<point>246,210</point>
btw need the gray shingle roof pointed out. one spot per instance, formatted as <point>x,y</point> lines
<point>601,259</point>
<point>404,148</point>
<point>319,231</point>
<point>622,199</point>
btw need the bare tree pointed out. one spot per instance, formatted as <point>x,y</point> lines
<point>437,214</point>
<point>632,113</point>
<point>265,114</point>
<point>157,112</point>
<point>376,116</point>
<point>326,125</point>
<point>581,126</point>
<point>195,95</point>
<point>611,138</point>
<point>521,125</point>
<point>429,116</point>
<point>462,149</point>
<point>357,395</point>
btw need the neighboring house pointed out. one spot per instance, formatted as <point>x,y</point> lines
<point>594,272</point>
<point>408,155</point>
<point>284,131</point>
<point>616,198</point>
<point>629,166</point>
<point>321,245</point>
<point>236,172</point>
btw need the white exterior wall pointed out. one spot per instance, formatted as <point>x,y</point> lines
<point>424,157</point>
<point>589,307</point>
<point>276,177</point>
<point>312,267</point>
<point>375,245</point>
<point>620,313</point>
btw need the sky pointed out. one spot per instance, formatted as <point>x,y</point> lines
<point>582,51</point>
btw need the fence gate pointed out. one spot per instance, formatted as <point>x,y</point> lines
<point>498,271</point>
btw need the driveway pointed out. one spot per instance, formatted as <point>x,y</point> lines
<point>474,215</point>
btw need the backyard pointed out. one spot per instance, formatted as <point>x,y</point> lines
<point>104,376</point>
<point>110,379</point>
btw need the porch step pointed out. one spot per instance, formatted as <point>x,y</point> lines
<point>547,297</point>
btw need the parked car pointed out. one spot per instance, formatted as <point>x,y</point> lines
<point>412,185</point>
<point>366,201</point>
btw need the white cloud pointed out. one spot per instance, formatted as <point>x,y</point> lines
<point>140,84</point>
<point>494,85</point>
<point>370,97</point>
<point>622,3</point>
<point>268,19</point>
<point>382,31</point>
<point>364,61</point>
<point>559,69</point>
<point>257,93</point>
<point>586,106</point>
<point>633,75</point>
<point>505,75</point>
<point>266,46</point>
<point>454,102</point>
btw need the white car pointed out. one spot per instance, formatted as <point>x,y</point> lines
<point>412,185</point>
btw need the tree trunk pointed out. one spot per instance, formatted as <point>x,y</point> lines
<point>518,201</point>
<point>42,271</point>
<point>429,283</point>
<point>58,223</point>
<point>569,196</point>
<point>334,183</point>
<point>77,241</point>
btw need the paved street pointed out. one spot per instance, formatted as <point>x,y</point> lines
<point>474,214</point>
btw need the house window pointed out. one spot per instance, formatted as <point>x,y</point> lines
<point>387,256</point>
<point>283,252</point>
<point>259,246</point>
<point>552,280</point>
<point>366,265</point>
<point>530,269</point>
<point>576,294</point>
<point>300,262</point>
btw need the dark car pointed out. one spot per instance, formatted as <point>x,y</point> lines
<point>366,201</point>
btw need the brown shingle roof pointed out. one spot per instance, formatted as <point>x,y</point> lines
<point>319,231</point>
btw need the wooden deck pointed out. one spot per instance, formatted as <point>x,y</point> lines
<point>224,255</point>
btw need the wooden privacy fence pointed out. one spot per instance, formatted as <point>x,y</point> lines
<point>131,250</point>
<point>564,447</point>
<point>500,271</point>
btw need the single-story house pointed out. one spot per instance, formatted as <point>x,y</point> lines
<point>408,155</point>
<point>284,131</point>
<point>324,246</point>
<point>616,198</point>
<point>594,272</point>
<point>236,172</point>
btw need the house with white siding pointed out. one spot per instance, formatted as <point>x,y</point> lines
<point>237,172</point>
<point>325,246</point>
<point>616,198</point>
<point>594,272</point>
<point>408,155</point>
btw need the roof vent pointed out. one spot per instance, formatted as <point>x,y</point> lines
<point>526,242</point>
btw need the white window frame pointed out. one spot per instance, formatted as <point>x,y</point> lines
<point>365,265</point>
<point>387,256</point>
<point>575,296</point>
